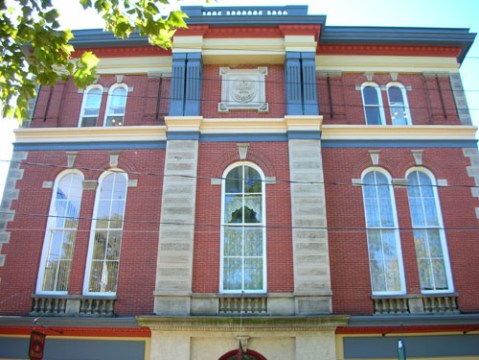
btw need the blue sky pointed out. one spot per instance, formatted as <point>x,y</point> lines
<point>404,13</point>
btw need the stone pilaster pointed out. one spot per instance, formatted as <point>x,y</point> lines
<point>460,99</point>
<point>175,250</point>
<point>310,237</point>
<point>10,193</point>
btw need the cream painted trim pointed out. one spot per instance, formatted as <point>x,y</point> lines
<point>141,64</point>
<point>392,132</point>
<point>364,63</point>
<point>87,134</point>
<point>183,123</point>
<point>300,43</point>
<point>260,125</point>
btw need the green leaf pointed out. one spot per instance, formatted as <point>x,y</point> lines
<point>176,19</point>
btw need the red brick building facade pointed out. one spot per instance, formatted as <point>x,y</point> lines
<point>271,184</point>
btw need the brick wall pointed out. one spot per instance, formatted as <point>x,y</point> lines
<point>347,237</point>
<point>213,160</point>
<point>147,102</point>
<point>430,98</point>
<point>136,280</point>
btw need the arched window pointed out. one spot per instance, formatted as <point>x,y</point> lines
<point>243,263</point>
<point>107,231</point>
<point>243,355</point>
<point>115,109</point>
<point>55,264</point>
<point>429,238</point>
<point>373,104</point>
<point>91,106</point>
<point>385,259</point>
<point>398,104</point>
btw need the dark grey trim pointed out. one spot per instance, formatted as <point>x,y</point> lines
<point>415,320</point>
<point>426,346</point>
<point>92,322</point>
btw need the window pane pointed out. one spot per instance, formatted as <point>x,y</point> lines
<point>392,273</point>
<point>252,180</point>
<point>439,270</point>
<point>233,241</point>
<point>232,274</point>
<point>234,181</point>
<point>373,115</point>
<point>253,273</point>
<point>114,244</point>
<point>253,243</point>
<point>375,245</point>
<point>99,247</point>
<point>252,210</point>
<point>233,209</point>
<point>378,281</point>
<point>370,95</point>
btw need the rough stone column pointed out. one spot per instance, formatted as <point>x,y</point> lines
<point>10,193</point>
<point>310,237</point>
<point>175,252</point>
<point>460,98</point>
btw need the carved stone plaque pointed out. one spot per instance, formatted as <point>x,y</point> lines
<point>243,89</point>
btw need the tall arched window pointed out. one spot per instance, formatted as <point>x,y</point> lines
<point>91,106</point>
<point>243,262</point>
<point>385,258</point>
<point>373,104</point>
<point>115,109</point>
<point>398,104</point>
<point>107,231</point>
<point>55,264</point>
<point>429,238</point>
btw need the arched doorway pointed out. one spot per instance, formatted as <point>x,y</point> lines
<point>240,355</point>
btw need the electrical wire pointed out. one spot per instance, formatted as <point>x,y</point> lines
<point>209,178</point>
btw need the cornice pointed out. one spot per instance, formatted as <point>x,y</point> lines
<point>138,51</point>
<point>298,29</point>
<point>244,32</point>
<point>441,51</point>
<point>244,324</point>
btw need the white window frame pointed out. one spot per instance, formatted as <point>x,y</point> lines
<point>407,113</point>
<point>379,106</point>
<point>109,102</point>
<point>49,228</point>
<point>395,228</point>
<point>262,225</point>
<point>84,102</point>
<point>440,228</point>
<point>91,244</point>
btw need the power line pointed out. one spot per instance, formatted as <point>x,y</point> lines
<point>291,182</point>
<point>342,106</point>
<point>219,226</point>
